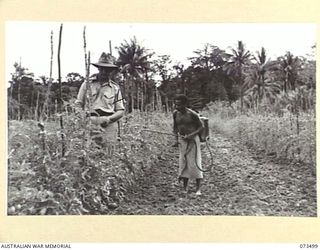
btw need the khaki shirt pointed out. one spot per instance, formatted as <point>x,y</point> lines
<point>106,96</point>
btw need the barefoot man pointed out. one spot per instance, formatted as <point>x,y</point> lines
<point>187,125</point>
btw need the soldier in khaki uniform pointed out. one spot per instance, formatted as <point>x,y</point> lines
<point>106,100</point>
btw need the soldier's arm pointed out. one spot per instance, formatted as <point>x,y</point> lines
<point>118,107</point>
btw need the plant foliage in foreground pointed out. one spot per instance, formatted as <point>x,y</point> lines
<point>87,180</point>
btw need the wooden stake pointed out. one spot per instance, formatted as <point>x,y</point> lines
<point>60,93</point>
<point>110,47</point>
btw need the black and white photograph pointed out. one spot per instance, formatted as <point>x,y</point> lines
<point>201,119</point>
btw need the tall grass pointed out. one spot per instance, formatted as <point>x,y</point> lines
<point>289,137</point>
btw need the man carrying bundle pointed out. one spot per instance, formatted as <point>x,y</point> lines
<point>106,103</point>
<point>187,125</point>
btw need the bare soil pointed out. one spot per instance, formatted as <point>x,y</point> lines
<point>242,182</point>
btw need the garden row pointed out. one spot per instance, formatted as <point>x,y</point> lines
<point>86,179</point>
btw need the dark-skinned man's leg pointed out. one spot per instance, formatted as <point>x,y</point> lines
<point>185,183</point>
<point>198,183</point>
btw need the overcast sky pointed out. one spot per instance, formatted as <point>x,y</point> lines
<point>30,41</point>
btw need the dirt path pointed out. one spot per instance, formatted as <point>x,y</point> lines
<point>239,184</point>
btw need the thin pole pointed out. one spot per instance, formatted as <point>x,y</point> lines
<point>110,47</point>
<point>59,70</point>
<point>60,92</point>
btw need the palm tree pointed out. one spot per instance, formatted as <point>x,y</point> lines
<point>289,67</point>
<point>268,91</point>
<point>259,83</point>
<point>234,67</point>
<point>134,62</point>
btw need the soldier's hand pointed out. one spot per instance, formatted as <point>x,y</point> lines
<point>104,124</point>
<point>94,120</point>
<point>175,145</point>
<point>105,121</point>
<point>187,137</point>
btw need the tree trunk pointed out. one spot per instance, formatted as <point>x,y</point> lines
<point>37,107</point>
<point>137,87</point>
<point>132,94</point>
<point>241,99</point>
<point>142,97</point>
<point>167,104</point>
<point>152,100</point>
<point>156,99</point>
<point>159,103</point>
<point>19,101</point>
<point>241,88</point>
<point>146,92</point>
<point>11,102</point>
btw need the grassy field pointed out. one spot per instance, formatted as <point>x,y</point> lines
<point>289,137</point>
